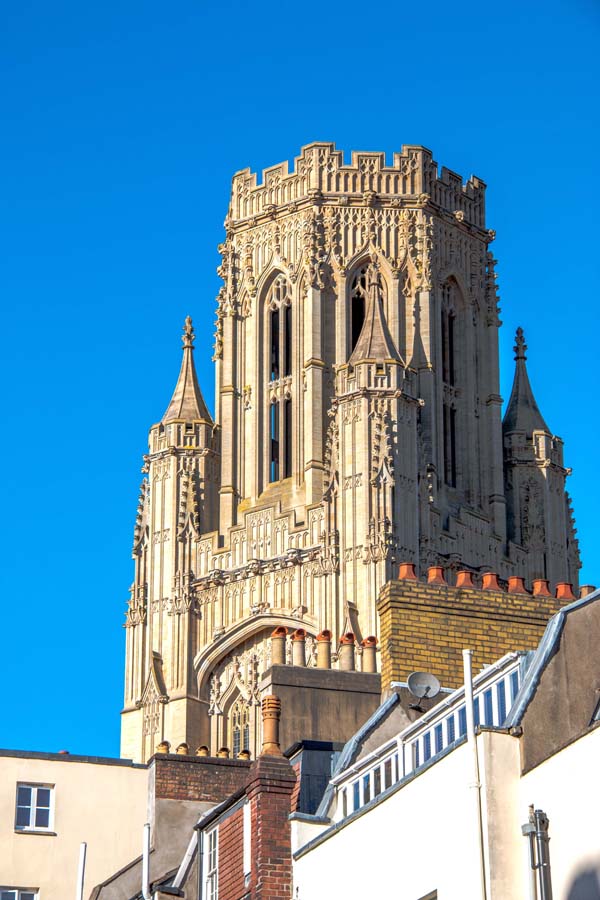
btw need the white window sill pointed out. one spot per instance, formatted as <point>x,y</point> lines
<point>45,831</point>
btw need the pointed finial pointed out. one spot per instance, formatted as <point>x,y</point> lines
<point>520,345</point>
<point>188,337</point>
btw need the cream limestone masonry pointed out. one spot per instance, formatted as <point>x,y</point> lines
<point>357,425</point>
<point>102,804</point>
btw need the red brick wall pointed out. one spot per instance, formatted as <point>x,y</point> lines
<point>231,857</point>
<point>198,777</point>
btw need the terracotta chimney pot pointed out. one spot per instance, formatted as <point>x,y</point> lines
<point>223,753</point>
<point>346,653</point>
<point>490,582</point>
<point>564,591</point>
<point>278,638</point>
<point>163,747</point>
<point>541,587</point>
<point>244,754</point>
<point>369,654</point>
<point>516,585</point>
<point>435,575</point>
<point>407,572</point>
<point>586,589</point>
<point>324,649</point>
<point>203,751</point>
<point>271,714</point>
<point>464,579</point>
<point>183,749</point>
<point>299,647</point>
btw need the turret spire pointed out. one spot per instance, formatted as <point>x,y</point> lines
<point>187,401</point>
<point>522,413</point>
<point>375,340</point>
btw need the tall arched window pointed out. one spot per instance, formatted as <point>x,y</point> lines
<point>448,337</point>
<point>239,718</point>
<point>358,305</point>
<point>280,336</point>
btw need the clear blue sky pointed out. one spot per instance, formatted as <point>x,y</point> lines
<point>122,125</point>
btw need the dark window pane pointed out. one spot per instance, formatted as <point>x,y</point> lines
<point>501,692</point>
<point>42,818</point>
<point>23,816</point>
<point>476,711</point>
<point>427,746</point>
<point>514,685</point>
<point>287,455</point>
<point>26,895</point>
<point>43,797</point>
<point>462,721</point>
<point>488,707</point>
<point>416,754</point>
<point>24,796</point>
<point>366,788</point>
<point>287,361</point>
<point>356,794</point>
<point>377,782</point>
<point>450,730</point>
<point>439,739</point>
<point>274,345</point>
<point>388,772</point>
<point>9,895</point>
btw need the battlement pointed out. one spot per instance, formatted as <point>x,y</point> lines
<point>320,173</point>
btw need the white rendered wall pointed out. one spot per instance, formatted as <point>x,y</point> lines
<point>567,788</point>
<point>419,840</point>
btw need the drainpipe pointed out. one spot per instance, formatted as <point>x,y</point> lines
<point>81,871</point>
<point>475,785</point>
<point>146,864</point>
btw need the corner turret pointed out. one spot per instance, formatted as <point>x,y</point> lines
<point>540,527</point>
<point>178,504</point>
<point>187,402</point>
<point>522,413</point>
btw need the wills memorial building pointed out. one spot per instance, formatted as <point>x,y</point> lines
<point>357,426</point>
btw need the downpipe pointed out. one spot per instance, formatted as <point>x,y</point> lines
<point>475,785</point>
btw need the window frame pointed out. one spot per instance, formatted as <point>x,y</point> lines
<point>212,864</point>
<point>32,828</point>
<point>20,893</point>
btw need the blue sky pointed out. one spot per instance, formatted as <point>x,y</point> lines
<point>122,126</point>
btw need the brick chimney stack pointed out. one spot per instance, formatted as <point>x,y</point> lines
<point>269,789</point>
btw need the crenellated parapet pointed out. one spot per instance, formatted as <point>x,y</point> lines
<point>320,175</point>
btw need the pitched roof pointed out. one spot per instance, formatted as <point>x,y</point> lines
<point>522,412</point>
<point>187,401</point>
<point>375,340</point>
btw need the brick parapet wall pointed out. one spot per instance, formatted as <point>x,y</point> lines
<point>424,627</point>
<point>202,778</point>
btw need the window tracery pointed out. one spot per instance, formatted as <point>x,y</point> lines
<point>448,313</point>
<point>280,336</point>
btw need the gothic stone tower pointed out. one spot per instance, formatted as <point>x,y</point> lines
<point>357,425</point>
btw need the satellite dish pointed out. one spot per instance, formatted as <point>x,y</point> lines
<point>423,685</point>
